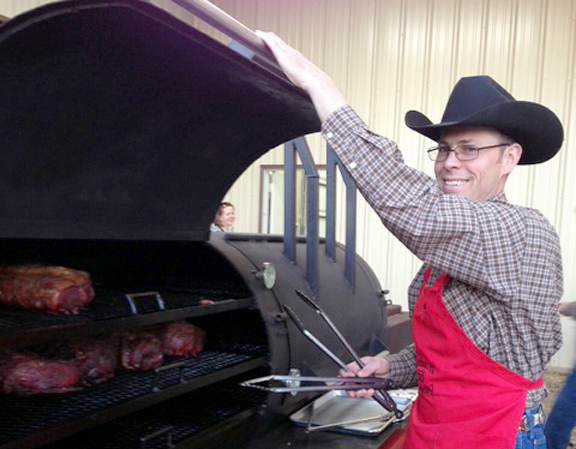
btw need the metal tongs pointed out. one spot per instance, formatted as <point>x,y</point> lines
<point>292,384</point>
<point>335,383</point>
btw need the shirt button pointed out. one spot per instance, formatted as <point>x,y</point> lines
<point>329,135</point>
<point>352,165</point>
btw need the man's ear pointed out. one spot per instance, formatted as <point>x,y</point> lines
<point>512,156</point>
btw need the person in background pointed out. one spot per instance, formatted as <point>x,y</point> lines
<point>224,218</point>
<point>484,304</point>
<point>562,418</point>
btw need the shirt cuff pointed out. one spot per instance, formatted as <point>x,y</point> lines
<point>403,368</point>
<point>340,130</point>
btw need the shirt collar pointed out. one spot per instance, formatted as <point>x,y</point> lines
<point>500,198</point>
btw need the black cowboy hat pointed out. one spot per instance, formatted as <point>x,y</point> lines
<point>481,101</point>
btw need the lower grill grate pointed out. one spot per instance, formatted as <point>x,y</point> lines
<point>174,421</point>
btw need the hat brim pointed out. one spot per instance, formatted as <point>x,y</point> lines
<point>535,127</point>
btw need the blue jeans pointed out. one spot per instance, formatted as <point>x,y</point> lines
<point>533,438</point>
<point>563,415</point>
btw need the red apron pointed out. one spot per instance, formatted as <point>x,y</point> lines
<point>465,399</point>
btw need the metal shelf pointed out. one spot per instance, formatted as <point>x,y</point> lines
<point>103,315</point>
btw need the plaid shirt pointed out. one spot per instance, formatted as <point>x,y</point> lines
<point>504,260</point>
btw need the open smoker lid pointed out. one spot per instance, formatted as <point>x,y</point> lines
<point>118,121</point>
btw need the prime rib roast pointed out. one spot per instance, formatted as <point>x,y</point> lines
<point>45,287</point>
<point>140,350</point>
<point>144,349</point>
<point>65,367</point>
<point>95,358</point>
<point>181,338</point>
<point>30,374</point>
<point>82,361</point>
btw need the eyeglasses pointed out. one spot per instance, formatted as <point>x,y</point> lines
<point>463,151</point>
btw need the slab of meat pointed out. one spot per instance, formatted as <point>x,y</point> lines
<point>45,287</point>
<point>26,374</point>
<point>181,338</point>
<point>95,358</point>
<point>140,350</point>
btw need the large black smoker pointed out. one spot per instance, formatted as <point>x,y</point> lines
<point>121,129</point>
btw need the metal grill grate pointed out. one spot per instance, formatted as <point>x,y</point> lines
<point>182,416</point>
<point>105,308</point>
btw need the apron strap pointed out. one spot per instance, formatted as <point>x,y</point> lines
<point>427,275</point>
<point>442,279</point>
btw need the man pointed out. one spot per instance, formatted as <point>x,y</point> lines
<point>484,304</point>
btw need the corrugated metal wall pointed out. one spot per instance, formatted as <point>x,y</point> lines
<point>389,56</point>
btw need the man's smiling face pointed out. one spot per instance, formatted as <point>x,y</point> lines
<point>480,179</point>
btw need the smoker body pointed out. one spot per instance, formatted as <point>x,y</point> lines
<point>115,119</point>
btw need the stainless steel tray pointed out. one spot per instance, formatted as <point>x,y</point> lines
<point>338,412</point>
